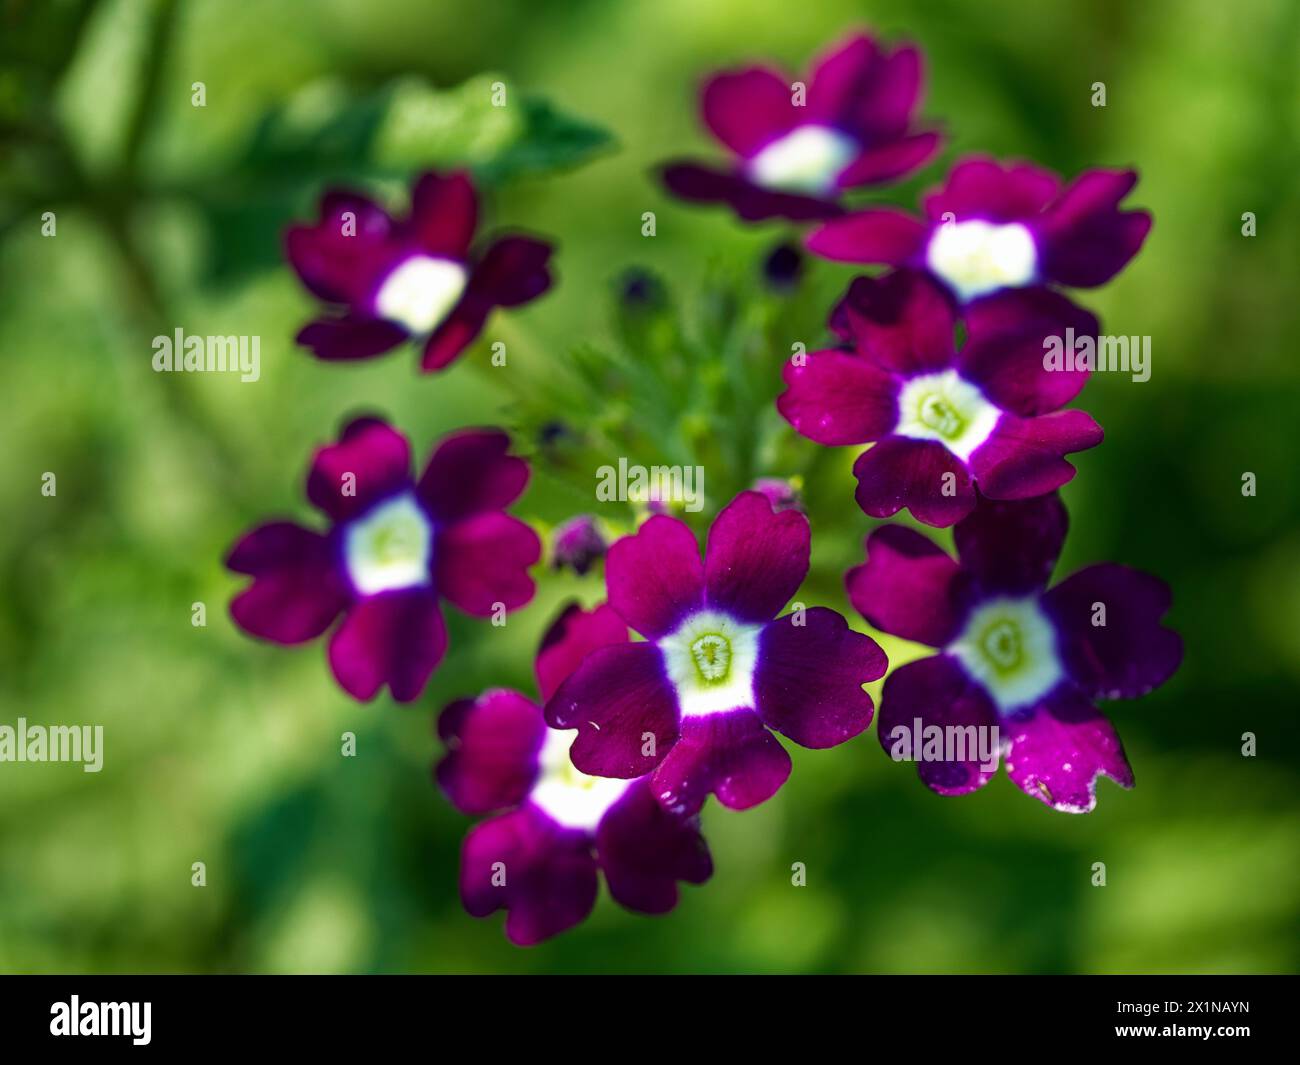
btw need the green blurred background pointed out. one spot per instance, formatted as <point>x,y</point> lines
<point>224,750</point>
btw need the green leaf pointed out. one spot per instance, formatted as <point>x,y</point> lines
<point>326,135</point>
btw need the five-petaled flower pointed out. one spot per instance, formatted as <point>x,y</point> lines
<point>798,147</point>
<point>395,548</point>
<point>1013,653</point>
<point>692,705</point>
<point>556,827</point>
<point>995,227</point>
<point>392,279</point>
<point>944,421</point>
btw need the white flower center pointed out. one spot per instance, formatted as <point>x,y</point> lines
<point>1009,646</point>
<point>420,292</point>
<point>976,258</point>
<point>390,546</point>
<point>566,794</point>
<point>807,159</point>
<point>947,408</point>
<point>710,660</point>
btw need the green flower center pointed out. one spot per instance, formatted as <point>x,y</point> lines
<point>937,412</point>
<point>711,654</point>
<point>1009,647</point>
<point>389,547</point>
<point>1003,646</point>
<point>402,540</point>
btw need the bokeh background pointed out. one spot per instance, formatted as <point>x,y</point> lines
<point>223,750</point>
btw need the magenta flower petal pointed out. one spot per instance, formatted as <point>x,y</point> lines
<point>890,94</point>
<point>1012,546</point>
<point>624,709</point>
<point>704,184</point>
<point>1060,748</point>
<point>484,560</point>
<point>1025,457</point>
<point>1086,238</point>
<point>808,685</point>
<point>748,108</point>
<point>901,472</point>
<point>935,691</point>
<point>542,874</point>
<point>395,639</point>
<point>732,755</point>
<point>756,558</point>
<point>444,214</point>
<point>903,322</point>
<point>890,161</point>
<point>841,79</point>
<point>1125,652</point>
<point>453,336</point>
<point>296,593</point>
<point>907,587</point>
<point>838,398</point>
<point>878,235</point>
<point>980,187</point>
<point>493,744</point>
<point>350,337</point>
<point>340,256</point>
<point>655,578</point>
<point>371,460</point>
<point>471,472</point>
<point>573,636</point>
<point>1006,338</point>
<point>513,271</point>
<point>644,850</point>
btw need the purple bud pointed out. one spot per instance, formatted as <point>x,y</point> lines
<point>577,544</point>
<point>782,494</point>
<point>783,267</point>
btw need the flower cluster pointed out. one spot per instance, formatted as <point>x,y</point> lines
<point>676,686</point>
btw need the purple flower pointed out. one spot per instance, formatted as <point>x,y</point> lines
<point>693,705</point>
<point>395,546</point>
<point>798,147</point>
<point>540,857</point>
<point>1013,653</point>
<point>944,421</point>
<point>992,228</point>
<point>577,544</point>
<point>391,279</point>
